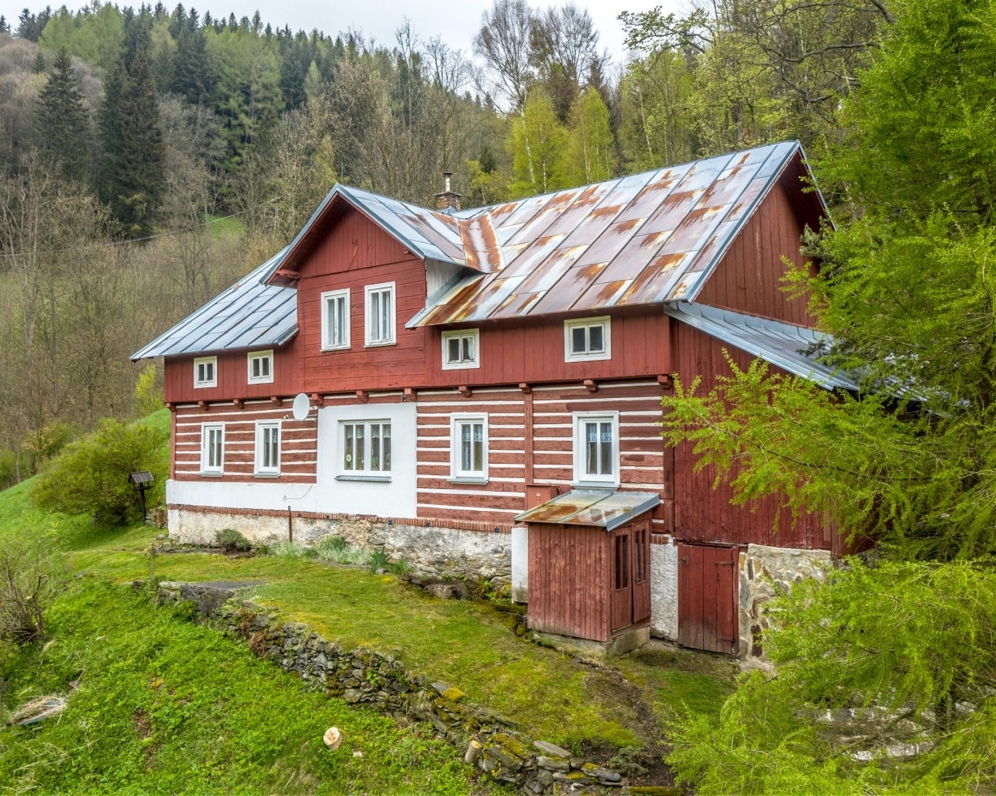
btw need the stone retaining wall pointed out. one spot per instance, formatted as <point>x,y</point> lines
<point>433,551</point>
<point>764,573</point>
<point>360,676</point>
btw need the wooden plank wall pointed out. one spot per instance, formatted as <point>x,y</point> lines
<point>748,279</point>
<point>298,442</point>
<point>707,598</point>
<point>642,453</point>
<point>233,377</point>
<point>569,585</point>
<point>705,514</point>
<point>532,350</point>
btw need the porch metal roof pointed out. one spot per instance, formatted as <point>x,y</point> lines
<point>598,508</point>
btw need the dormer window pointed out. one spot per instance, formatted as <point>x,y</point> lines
<point>261,367</point>
<point>380,314</point>
<point>587,339</point>
<point>461,349</point>
<point>205,372</point>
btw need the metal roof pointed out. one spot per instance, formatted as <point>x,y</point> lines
<point>598,508</point>
<point>642,239</point>
<point>792,348</point>
<point>250,314</point>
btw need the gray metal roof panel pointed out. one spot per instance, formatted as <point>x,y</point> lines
<point>598,508</point>
<point>781,344</point>
<point>249,314</point>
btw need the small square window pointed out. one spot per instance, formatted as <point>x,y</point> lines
<point>205,372</point>
<point>380,320</point>
<point>587,339</point>
<point>366,449</point>
<point>461,349</point>
<point>213,448</point>
<point>596,449</point>
<point>261,367</point>
<point>469,448</point>
<point>335,320</point>
<point>268,448</point>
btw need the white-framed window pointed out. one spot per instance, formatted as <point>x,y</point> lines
<point>366,449</point>
<point>260,367</point>
<point>213,448</point>
<point>596,448</point>
<point>586,339</point>
<point>205,372</point>
<point>268,448</point>
<point>335,320</point>
<point>380,315</point>
<point>469,447</point>
<point>461,349</point>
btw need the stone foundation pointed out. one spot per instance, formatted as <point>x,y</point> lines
<point>435,552</point>
<point>664,590</point>
<point>764,573</point>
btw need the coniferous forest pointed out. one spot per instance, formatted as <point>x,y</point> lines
<point>149,156</point>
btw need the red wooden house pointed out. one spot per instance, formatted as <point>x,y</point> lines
<point>465,366</point>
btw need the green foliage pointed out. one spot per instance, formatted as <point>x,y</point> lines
<point>63,121</point>
<point>378,559</point>
<point>96,36</point>
<point>165,706</point>
<point>8,468</point>
<point>29,579</point>
<point>902,656</point>
<point>590,150</point>
<point>536,142</point>
<point>91,475</point>
<point>231,541</point>
<point>148,391</point>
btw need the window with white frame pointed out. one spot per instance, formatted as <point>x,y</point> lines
<point>268,448</point>
<point>380,314</point>
<point>596,449</point>
<point>335,320</point>
<point>260,367</point>
<point>586,339</point>
<point>206,372</point>
<point>366,449</point>
<point>213,448</point>
<point>461,349</point>
<point>469,447</point>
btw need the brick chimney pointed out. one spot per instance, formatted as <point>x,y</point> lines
<point>448,199</point>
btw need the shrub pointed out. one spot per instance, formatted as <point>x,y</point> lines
<point>337,549</point>
<point>28,579</point>
<point>8,468</point>
<point>91,474</point>
<point>378,559</point>
<point>231,541</point>
<point>400,567</point>
<point>288,550</point>
<point>148,391</point>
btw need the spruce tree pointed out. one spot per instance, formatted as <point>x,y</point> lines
<point>63,122</point>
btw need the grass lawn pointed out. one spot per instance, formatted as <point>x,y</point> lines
<point>468,644</point>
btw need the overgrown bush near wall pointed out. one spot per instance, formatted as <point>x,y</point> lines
<point>91,474</point>
<point>886,683</point>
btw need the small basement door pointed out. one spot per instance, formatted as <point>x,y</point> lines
<point>630,576</point>
<point>707,598</point>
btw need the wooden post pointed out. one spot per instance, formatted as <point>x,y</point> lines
<point>290,526</point>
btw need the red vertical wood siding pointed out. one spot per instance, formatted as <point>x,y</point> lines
<point>569,582</point>
<point>532,350</point>
<point>748,279</point>
<point>233,376</point>
<point>298,443</point>
<point>705,514</point>
<point>641,570</point>
<point>620,577</point>
<point>707,598</point>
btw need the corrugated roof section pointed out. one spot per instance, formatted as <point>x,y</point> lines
<point>598,508</point>
<point>792,348</point>
<point>643,239</point>
<point>250,314</point>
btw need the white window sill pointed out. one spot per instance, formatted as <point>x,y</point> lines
<point>381,344</point>
<point>210,474</point>
<point>260,381</point>
<point>461,365</point>
<point>266,475</point>
<point>330,348</point>
<point>467,479</point>
<point>205,386</point>
<point>595,484</point>
<point>588,357</point>
<point>383,479</point>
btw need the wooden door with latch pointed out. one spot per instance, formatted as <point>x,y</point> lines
<point>621,577</point>
<point>708,618</point>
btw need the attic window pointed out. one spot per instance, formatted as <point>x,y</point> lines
<point>205,372</point>
<point>335,320</point>
<point>587,339</point>
<point>461,349</point>
<point>380,314</point>
<point>261,367</point>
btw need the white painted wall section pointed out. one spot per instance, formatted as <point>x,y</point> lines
<point>664,590</point>
<point>520,564</point>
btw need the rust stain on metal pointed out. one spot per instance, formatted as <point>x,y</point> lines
<point>603,212</point>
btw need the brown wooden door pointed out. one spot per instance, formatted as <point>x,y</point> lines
<point>621,577</point>
<point>707,598</point>
<point>641,571</point>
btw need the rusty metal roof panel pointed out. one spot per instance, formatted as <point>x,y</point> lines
<point>596,508</point>
<point>249,314</point>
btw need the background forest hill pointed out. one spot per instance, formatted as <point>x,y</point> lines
<point>149,157</point>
